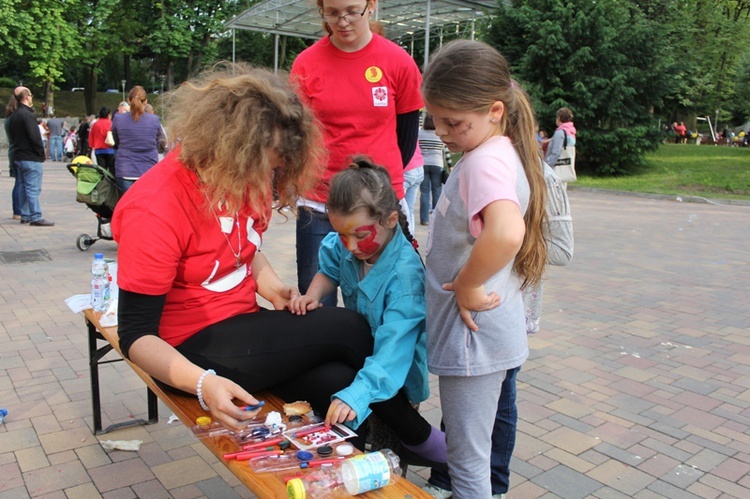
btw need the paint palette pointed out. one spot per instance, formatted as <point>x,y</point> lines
<point>314,435</point>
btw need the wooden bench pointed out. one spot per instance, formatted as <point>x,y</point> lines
<point>264,485</point>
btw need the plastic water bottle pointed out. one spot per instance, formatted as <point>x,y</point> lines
<point>3,413</point>
<point>356,475</point>
<point>99,284</point>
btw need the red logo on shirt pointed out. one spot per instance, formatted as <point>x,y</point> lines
<point>380,96</point>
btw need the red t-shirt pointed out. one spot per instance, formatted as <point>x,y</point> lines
<point>171,243</point>
<point>98,133</point>
<point>356,96</point>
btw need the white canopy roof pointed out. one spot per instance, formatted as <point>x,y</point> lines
<point>399,17</point>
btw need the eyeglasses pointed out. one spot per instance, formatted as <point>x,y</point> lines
<point>349,17</point>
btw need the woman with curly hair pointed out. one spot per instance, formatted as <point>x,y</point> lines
<point>188,313</point>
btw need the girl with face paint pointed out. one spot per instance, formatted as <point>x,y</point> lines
<point>372,258</point>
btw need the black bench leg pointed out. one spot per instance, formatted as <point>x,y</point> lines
<point>95,356</point>
<point>153,407</point>
<point>94,369</point>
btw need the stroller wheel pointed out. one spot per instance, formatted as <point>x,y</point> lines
<point>84,242</point>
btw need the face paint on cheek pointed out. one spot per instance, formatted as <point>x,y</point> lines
<point>344,240</point>
<point>368,245</point>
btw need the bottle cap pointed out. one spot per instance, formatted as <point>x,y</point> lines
<point>324,450</point>
<point>98,256</point>
<point>305,455</point>
<point>344,449</point>
<point>3,412</point>
<point>295,489</point>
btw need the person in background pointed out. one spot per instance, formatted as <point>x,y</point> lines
<point>137,135</point>
<point>123,107</point>
<point>105,153</point>
<point>486,244</point>
<point>413,176</point>
<point>432,185</point>
<point>83,135</point>
<point>682,133</point>
<point>16,192</point>
<point>44,132</point>
<point>28,154</point>
<point>70,143</point>
<point>565,127</point>
<point>56,126</point>
<point>364,89</point>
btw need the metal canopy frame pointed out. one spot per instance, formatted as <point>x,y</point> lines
<point>400,18</point>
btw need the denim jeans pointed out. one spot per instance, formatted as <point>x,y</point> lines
<point>312,227</point>
<point>15,195</point>
<point>56,148</point>
<point>124,184</point>
<point>430,189</point>
<point>503,440</point>
<point>30,175</point>
<point>412,181</point>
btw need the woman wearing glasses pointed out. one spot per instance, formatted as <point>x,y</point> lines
<point>364,89</point>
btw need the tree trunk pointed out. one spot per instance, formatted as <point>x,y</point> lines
<point>282,51</point>
<point>49,97</point>
<point>170,74</point>
<point>127,71</point>
<point>90,80</point>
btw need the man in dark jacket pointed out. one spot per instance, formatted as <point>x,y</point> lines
<point>29,155</point>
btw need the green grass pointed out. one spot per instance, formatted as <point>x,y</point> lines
<point>72,103</point>
<point>686,170</point>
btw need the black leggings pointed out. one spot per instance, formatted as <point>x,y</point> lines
<point>306,357</point>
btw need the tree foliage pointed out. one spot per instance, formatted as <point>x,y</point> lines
<point>600,59</point>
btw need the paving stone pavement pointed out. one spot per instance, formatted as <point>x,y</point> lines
<point>637,384</point>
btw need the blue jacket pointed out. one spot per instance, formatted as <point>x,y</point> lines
<point>392,299</point>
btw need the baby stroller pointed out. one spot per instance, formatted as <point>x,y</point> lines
<point>96,187</point>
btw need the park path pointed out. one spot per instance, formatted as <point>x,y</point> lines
<point>637,384</point>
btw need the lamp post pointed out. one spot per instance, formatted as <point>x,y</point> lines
<point>123,89</point>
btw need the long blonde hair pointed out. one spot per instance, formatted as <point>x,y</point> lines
<point>227,120</point>
<point>469,76</point>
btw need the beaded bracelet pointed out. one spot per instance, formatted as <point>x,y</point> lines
<point>198,390</point>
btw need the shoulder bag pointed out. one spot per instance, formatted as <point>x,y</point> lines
<point>565,166</point>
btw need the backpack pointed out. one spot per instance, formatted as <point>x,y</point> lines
<point>559,231</point>
<point>559,236</point>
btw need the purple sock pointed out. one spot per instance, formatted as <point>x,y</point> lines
<point>434,448</point>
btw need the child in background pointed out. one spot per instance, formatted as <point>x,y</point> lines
<point>371,257</point>
<point>70,143</point>
<point>486,243</point>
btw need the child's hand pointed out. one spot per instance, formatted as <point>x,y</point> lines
<point>339,412</point>
<point>471,299</point>
<point>300,304</point>
<point>281,299</point>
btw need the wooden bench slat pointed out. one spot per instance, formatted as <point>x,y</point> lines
<point>264,485</point>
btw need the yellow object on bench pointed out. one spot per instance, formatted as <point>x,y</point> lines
<point>264,485</point>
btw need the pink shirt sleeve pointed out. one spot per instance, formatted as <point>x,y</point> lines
<point>484,180</point>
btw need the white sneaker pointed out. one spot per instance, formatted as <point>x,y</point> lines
<point>498,496</point>
<point>437,492</point>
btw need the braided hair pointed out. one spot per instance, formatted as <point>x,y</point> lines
<point>365,185</point>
